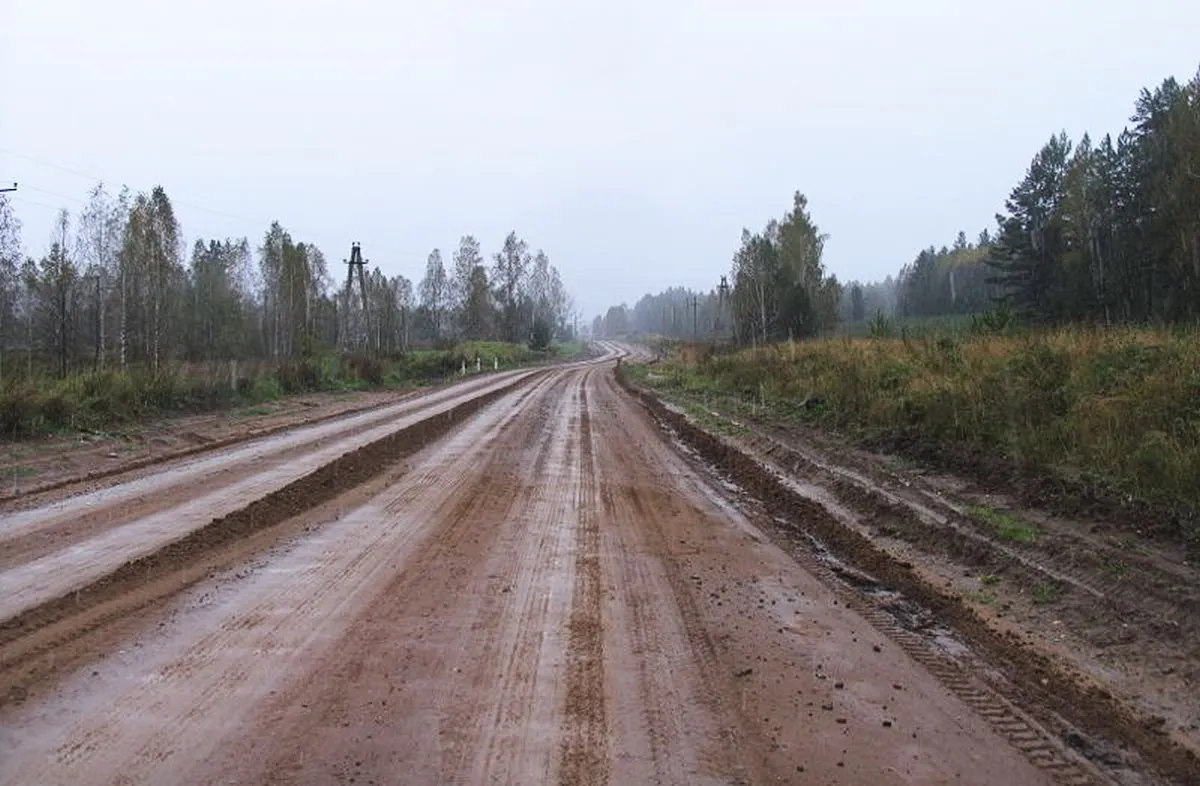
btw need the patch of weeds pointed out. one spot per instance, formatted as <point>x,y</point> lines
<point>982,596</point>
<point>728,429</point>
<point>1131,542</point>
<point>881,327</point>
<point>635,372</point>
<point>707,420</point>
<point>21,471</point>
<point>989,580</point>
<point>1008,527</point>
<point>1115,567</point>
<point>1044,593</point>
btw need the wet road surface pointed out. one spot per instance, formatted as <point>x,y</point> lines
<point>550,593</point>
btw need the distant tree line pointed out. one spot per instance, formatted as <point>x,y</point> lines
<point>676,313</point>
<point>1110,232</point>
<point>1104,232</point>
<point>777,288</point>
<point>116,288</point>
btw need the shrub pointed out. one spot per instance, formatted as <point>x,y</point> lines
<point>365,368</point>
<point>299,376</point>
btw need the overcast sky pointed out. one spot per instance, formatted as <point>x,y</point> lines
<point>630,139</point>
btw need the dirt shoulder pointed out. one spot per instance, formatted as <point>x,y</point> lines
<point>49,462</point>
<point>1092,627</point>
<point>40,464</point>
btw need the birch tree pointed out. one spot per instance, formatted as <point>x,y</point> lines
<point>435,292</point>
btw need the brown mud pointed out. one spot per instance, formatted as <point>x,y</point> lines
<point>546,592</point>
<point>847,522</point>
<point>51,625</point>
<point>37,466</point>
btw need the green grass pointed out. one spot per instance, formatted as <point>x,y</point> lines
<point>13,473</point>
<point>1117,410</point>
<point>1007,527</point>
<point>1044,593</point>
<point>982,596</point>
<point>1116,567</point>
<point>705,418</point>
<point>97,399</point>
<point>571,349</point>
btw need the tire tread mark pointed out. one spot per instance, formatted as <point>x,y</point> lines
<point>1006,719</point>
<point>584,755</point>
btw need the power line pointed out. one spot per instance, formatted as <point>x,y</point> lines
<point>26,200</point>
<point>55,194</point>
<point>49,164</point>
<point>95,178</point>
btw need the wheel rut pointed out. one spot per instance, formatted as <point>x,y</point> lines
<point>542,591</point>
<point>584,754</point>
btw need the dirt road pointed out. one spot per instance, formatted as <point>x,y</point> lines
<point>550,592</point>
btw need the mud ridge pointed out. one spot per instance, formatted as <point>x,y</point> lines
<point>1088,707</point>
<point>203,447</point>
<point>80,611</point>
<point>1040,487</point>
<point>1064,566</point>
<point>1080,564</point>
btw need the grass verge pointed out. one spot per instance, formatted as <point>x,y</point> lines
<point>1106,414</point>
<point>96,399</point>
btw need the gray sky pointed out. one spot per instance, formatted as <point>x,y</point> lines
<point>632,140</point>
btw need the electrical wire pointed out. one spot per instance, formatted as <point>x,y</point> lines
<point>52,193</point>
<point>26,200</point>
<point>96,179</point>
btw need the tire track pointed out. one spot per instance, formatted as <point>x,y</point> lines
<point>635,520</point>
<point>304,608</point>
<point>511,740</point>
<point>444,559</point>
<point>64,618</point>
<point>1038,744</point>
<point>585,753</point>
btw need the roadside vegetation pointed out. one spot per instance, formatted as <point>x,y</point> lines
<point>115,320</point>
<point>95,400</point>
<point>1114,410</point>
<point>1064,341</point>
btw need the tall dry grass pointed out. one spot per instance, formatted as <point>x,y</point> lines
<point>98,399</point>
<point>1118,407</point>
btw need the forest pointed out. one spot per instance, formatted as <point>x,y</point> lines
<point>117,289</point>
<point>118,319</point>
<point>1100,231</point>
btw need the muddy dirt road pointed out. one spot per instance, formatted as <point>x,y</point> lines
<point>541,590</point>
